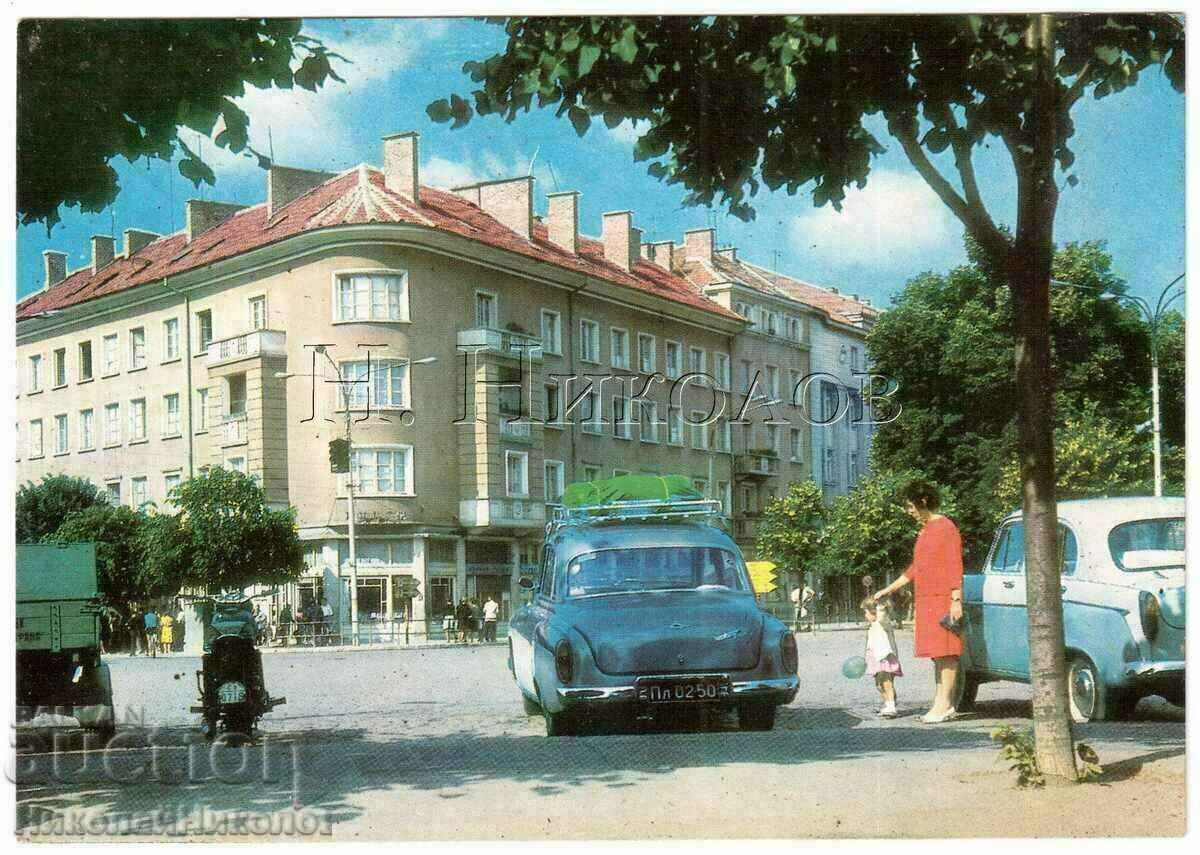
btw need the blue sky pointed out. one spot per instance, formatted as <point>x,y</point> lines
<point>1130,167</point>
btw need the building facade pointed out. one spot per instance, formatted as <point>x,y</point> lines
<point>479,358</point>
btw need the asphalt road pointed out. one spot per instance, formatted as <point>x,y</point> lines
<point>433,743</point>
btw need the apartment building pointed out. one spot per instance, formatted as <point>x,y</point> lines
<point>485,358</point>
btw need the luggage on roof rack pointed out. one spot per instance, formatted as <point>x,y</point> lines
<point>626,488</point>
<point>633,498</point>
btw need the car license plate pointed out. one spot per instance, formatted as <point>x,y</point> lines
<point>682,691</point>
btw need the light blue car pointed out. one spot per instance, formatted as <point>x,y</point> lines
<point>643,608</point>
<point>1123,588</point>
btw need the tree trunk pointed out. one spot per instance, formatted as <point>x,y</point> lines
<point>1029,280</point>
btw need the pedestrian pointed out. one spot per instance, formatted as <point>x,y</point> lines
<point>326,621</point>
<point>260,625</point>
<point>491,611</point>
<point>476,620</point>
<point>936,575</point>
<point>150,619</point>
<point>807,607</point>
<point>284,627</point>
<point>166,632</point>
<point>449,625</point>
<point>137,630</point>
<point>180,628</point>
<point>882,655</point>
<point>462,615</point>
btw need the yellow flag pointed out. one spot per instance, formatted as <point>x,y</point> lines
<point>762,576</point>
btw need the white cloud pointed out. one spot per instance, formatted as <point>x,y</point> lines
<point>445,173</point>
<point>895,216</point>
<point>440,172</point>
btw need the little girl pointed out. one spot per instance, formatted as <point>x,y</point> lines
<point>881,653</point>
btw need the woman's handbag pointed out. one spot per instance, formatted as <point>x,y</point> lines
<point>958,627</point>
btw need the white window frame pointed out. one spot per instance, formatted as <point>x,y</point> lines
<point>136,364</point>
<point>201,342</point>
<point>84,378</point>
<point>771,375</point>
<point>236,463</point>
<point>642,367</point>
<point>144,482</point>
<point>166,415</point>
<point>410,487</point>
<point>829,467</point>
<point>594,423</point>
<point>591,358</point>
<point>109,492</point>
<point>134,435</point>
<point>648,418</point>
<point>112,417</point>
<point>773,438</point>
<point>614,334</point>
<point>37,439</point>
<point>87,429</point>
<point>357,403</point>
<point>177,475</point>
<point>170,339</point>
<point>722,370</point>
<point>675,426</point>
<point>35,373</point>
<point>677,372</point>
<point>622,425</point>
<point>697,366</point>
<point>699,432</point>
<point>54,365</point>
<point>62,434</point>
<point>553,481</point>
<point>591,473</point>
<point>201,425</point>
<point>110,368</point>
<point>252,321</point>
<point>554,346</point>
<point>796,449</point>
<point>553,419</point>
<point>403,298</point>
<point>522,471</point>
<point>722,437</point>
<point>494,298</point>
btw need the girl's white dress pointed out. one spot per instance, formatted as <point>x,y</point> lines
<point>881,653</point>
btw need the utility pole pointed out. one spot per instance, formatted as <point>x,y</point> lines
<point>349,495</point>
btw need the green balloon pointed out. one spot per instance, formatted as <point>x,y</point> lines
<point>854,667</point>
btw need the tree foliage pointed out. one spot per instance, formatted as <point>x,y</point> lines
<point>42,507</point>
<point>235,539</point>
<point>120,566</point>
<point>89,90</point>
<point>789,533</point>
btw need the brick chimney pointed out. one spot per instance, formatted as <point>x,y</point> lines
<point>104,248</point>
<point>203,216</point>
<point>135,239</point>
<point>509,200</point>
<point>401,170</point>
<point>56,268</point>
<point>698,245</point>
<point>286,184</point>
<point>621,240</point>
<point>662,253</point>
<point>563,220</point>
<point>729,253</point>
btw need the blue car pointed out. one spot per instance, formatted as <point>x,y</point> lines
<point>641,607</point>
<point>1123,606</point>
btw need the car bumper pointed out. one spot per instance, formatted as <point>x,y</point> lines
<point>780,689</point>
<point>1155,675</point>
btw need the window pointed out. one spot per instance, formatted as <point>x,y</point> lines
<point>384,551</point>
<point>701,485</point>
<point>793,389</point>
<point>697,364</point>
<point>619,350</point>
<point>553,484</point>
<point>647,358</point>
<point>35,438</point>
<point>256,310</point>
<point>747,374</point>
<point>797,445</point>
<point>62,438</point>
<point>137,420</point>
<point>372,297</point>
<point>385,381</point>
<point>201,410</point>
<point>236,464</point>
<point>85,361</point>
<point>721,370</point>
<point>591,473</point>
<point>772,323</point>
<point>170,481</point>
<point>171,339</point>
<point>773,381</point>
<point>742,309</point>
<point>35,373</point>
<point>722,435</point>
<point>649,420</point>
<point>773,438</point>
<point>622,419</point>
<point>235,399</point>
<point>725,497</point>
<point>87,430</point>
<point>1009,555</point>
<point>382,471</point>
<point>589,341</point>
<point>137,348</point>
<point>852,468</point>
<point>170,426</point>
<point>485,310</point>
<point>589,412</point>
<point>699,430</point>
<point>111,355</point>
<point>551,332</point>
<point>60,367</point>
<point>831,402</point>
<point>112,425</point>
<point>853,358</point>
<point>674,357</point>
<point>204,330</point>
<point>553,405</point>
<point>829,473</point>
<point>141,492</point>
<point>674,426</point>
<point>516,473</point>
<point>112,491</point>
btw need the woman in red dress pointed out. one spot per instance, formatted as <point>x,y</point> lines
<point>936,575</point>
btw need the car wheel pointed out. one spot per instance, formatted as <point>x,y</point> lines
<point>756,716</point>
<point>1089,697</point>
<point>530,706</point>
<point>966,688</point>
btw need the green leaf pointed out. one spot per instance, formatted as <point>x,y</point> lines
<point>1107,54</point>
<point>626,48</point>
<point>580,120</point>
<point>588,54</point>
<point>439,111</point>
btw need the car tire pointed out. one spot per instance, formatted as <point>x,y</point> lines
<point>1090,699</point>
<point>758,716</point>
<point>530,706</point>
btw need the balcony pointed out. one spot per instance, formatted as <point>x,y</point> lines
<point>502,342</point>
<point>247,345</point>
<point>508,511</point>
<point>756,465</point>
<point>233,429</point>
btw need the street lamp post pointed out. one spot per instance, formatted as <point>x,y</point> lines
<point>1154,317</point>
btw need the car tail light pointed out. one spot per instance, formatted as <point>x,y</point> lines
<point>1150,612</point>
<point>564,661</point>
<point>791,657</point>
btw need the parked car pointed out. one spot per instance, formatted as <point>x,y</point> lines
<point>640,608</point>
<point>1123,606</point>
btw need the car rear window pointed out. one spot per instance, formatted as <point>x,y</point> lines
<point>654,568</point>
<point>1148,544</point>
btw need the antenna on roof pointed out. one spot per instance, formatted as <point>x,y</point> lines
<point>553,177</point>
<point>270,145</point>
<point>532,159</point>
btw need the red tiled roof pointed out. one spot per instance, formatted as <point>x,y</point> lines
<point>357,196</point>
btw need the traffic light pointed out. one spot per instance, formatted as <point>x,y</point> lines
<point>339,455</point>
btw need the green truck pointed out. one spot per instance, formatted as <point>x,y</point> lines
<point>59,672</point>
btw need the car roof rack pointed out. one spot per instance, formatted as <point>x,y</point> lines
<point>635,510</point>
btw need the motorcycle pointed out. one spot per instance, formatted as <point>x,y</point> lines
<point>233,694</point>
